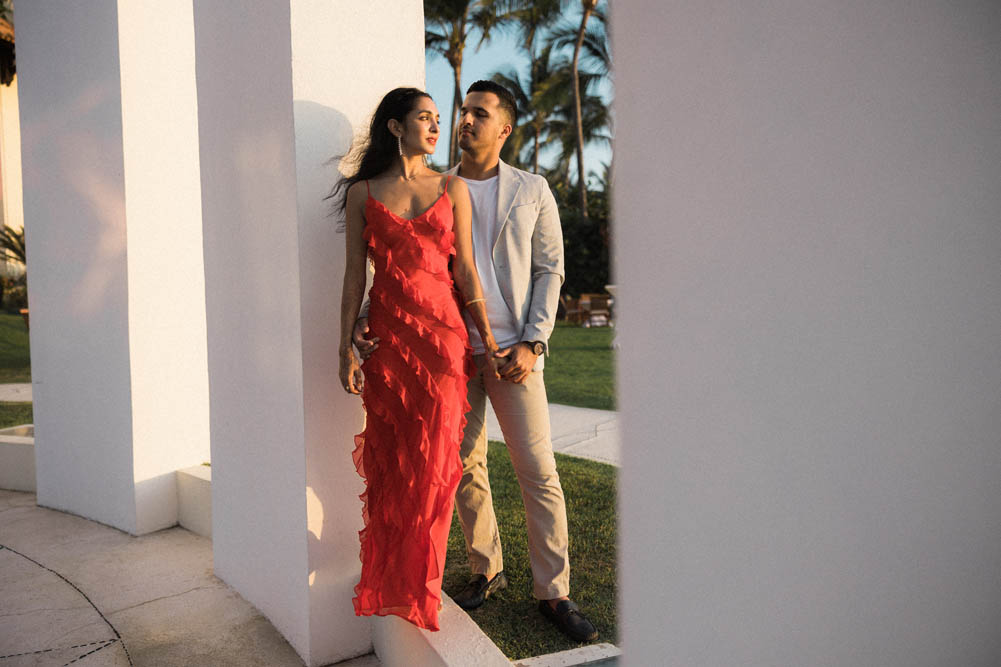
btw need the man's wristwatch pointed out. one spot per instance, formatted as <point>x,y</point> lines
<point>535,346</point>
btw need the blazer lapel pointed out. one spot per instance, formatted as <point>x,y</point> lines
<point>507,193</point>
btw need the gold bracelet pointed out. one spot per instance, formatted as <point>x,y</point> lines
<point>472,301</point>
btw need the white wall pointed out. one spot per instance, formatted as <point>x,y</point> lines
<point>807,207</point>
<point>280,92</point>
<point>170,401</point>
<point>336,85</point>
<point>71,137</point>
<point>251,296</point>
<point>117,302</point>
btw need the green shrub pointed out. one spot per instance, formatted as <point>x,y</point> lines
<point>15,298</point>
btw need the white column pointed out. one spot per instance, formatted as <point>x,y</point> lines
<point>281,91</point>
<point>111,200</point>
<point>10,156</point>
<point>807,206</point>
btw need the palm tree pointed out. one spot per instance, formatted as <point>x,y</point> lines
<point>595,53</point>
<point>522,134</point>
<point>561,128</point>
<point>531,17</point>
<point>453,21</point>
<point>538,98</point>
<point>587,8</point>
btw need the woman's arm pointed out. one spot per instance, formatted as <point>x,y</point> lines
<point>464,267</point>
<point>354,286</point>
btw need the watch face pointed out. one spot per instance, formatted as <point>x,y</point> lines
<point>538,348</point>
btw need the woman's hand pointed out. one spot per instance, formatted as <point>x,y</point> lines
<point>351,376</point>
<point>494,362</point>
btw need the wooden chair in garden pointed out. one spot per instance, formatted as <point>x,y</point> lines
<point>571,309</point>
<point>595,309</point>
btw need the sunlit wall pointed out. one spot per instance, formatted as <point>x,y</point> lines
<point>112,211</point>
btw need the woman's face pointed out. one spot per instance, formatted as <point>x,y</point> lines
<point>420,128</point>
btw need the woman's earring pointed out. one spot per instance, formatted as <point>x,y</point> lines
<point>399,144</point>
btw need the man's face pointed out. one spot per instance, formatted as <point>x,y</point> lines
<point>483,125</point>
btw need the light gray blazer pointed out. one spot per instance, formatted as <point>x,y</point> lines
<point>527,252</point>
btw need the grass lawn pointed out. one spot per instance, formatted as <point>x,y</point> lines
<point>15,360</point>
<point>510,618</point>
<point>15,414</point>
<point>580,368</point>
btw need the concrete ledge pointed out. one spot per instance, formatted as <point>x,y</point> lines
<point>194,499</point>
<point>594,655</point>
<point>17,458</point>
<point>459,643</point>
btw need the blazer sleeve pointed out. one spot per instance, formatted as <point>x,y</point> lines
<point>547,269</point>
<point>369,274</point>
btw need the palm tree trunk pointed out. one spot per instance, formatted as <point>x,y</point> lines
<point>453,142</point>
<point>535,153</point>
<point>588,7</point>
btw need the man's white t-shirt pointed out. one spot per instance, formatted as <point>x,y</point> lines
<point>502,321</point>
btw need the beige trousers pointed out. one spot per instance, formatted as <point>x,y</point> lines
<point>523,413</point>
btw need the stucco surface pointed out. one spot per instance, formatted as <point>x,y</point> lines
<point>807,236</point>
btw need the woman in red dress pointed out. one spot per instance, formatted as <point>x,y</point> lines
<point>410,221</point>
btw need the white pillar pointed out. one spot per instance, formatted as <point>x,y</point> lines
<point>807,206</point>
<point>10,157</point>
<point>280,92</point>
<point>111,201</point>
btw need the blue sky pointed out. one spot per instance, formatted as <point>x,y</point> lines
<point>501,53</point>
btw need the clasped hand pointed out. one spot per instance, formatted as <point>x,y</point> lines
<point>516,362</point>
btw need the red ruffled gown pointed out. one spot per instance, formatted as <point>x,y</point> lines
<point>415,403</point>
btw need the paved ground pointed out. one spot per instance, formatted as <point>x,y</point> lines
<point>76,592</point>
<point>16,393</point>
<point>583,432</point>
<point>81,593</point>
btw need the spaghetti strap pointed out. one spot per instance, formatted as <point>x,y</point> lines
<point>448,177</point>
<point>367,188</point>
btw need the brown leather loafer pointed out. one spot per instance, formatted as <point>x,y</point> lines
<point>479,589</point>
<point>568,618</point>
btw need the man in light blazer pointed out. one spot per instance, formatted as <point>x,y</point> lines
<point>518,249</point>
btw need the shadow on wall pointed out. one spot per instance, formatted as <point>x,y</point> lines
<point>322,136</point>
<point>331,416</point>
<point>99,205</point>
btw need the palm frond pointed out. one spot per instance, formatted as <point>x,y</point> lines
<point>12,246</point>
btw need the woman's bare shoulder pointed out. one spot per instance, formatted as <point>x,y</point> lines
<point>357,194</point>
<point>456,186</point>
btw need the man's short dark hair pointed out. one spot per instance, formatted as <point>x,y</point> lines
<point>507,101</point>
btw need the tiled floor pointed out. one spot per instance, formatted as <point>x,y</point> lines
<point>75,592</point>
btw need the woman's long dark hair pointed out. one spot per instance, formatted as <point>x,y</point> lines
<point>376,152</point>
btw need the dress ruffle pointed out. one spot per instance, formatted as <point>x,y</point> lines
<point>415,403</point>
